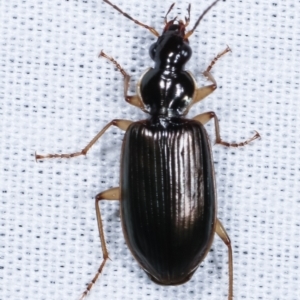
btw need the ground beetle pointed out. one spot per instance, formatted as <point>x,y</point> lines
<point>167,187</point>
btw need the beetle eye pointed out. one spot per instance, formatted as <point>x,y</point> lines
<point>152,51</point>
<point>186,52</point>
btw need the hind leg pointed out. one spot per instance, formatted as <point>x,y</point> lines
<point>111,194</point>
<point>221,232</point>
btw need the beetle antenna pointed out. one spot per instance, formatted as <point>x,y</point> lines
<point>189,33</point>
<point>187,19</point>
<point>171,7</point>
<point>152,30</point>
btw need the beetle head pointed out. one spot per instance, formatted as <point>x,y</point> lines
<point>171,48</point>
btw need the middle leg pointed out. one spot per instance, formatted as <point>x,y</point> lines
<point>205,117</point>
<point>122,124</point>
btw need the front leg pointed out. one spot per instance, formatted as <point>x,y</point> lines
<point>204,91</point>
<point>134,100</point>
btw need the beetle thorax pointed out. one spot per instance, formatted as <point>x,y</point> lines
<point>167,90</point>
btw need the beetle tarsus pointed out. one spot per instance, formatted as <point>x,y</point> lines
<point>241,144</point>
<point>93,281</point>
<point>216,59</point>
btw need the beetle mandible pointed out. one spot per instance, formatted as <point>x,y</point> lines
<point>167,187</point>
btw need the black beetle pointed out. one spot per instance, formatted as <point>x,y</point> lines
<point>167,186</point>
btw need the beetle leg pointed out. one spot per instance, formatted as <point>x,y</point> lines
<point>122,124</point>
<point>111,194</point>
<point>221,232</point>
<point>204,91</point>
<point>205,117</point>
<point>134,100</point>
<point>216,59</point>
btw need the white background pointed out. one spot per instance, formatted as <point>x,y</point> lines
<point>56,94</point>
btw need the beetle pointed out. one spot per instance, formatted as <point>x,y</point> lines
<point>167,189</point>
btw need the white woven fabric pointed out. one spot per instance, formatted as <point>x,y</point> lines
<point>56,95</point>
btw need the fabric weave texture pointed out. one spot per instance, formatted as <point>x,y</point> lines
<point>56,95</point>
